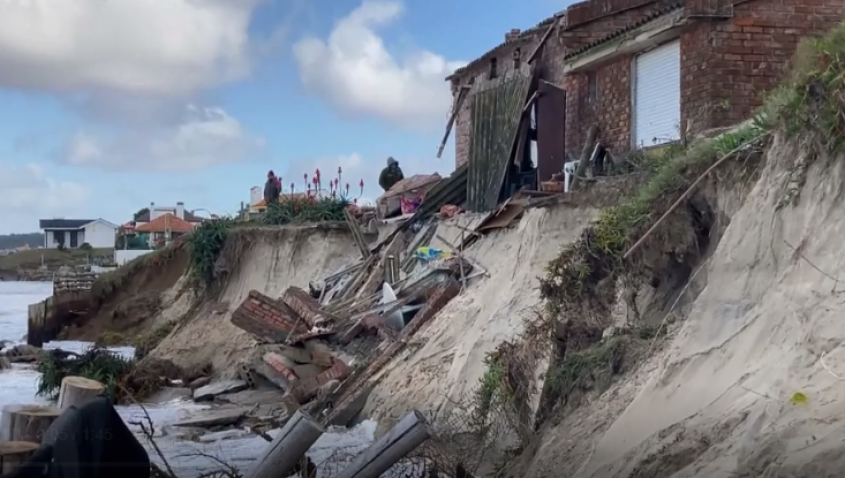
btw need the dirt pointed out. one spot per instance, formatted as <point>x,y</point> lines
<point>272,261</point>
<point>717,399</point>
<point>143,300</point>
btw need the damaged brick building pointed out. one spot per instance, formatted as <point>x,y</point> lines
<point>644,72</point>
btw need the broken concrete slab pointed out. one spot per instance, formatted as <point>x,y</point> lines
<point>271,375</point>
<point>297,354</point>
<point>210,391</point>
<point>215,418</point>
<point>170,394</point>
<point>247,398</point>
<point>321,353</point>
<point>306,371</point>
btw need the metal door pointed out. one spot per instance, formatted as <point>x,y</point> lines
<point>551,129</point>
<point>657,95</point>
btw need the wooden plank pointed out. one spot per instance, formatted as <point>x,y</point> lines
<point>357,234</point>
<point>449,124</point>
<point>551,128</point>
<point>543,40</point>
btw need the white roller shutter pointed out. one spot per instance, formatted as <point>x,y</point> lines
<point>657,95</point>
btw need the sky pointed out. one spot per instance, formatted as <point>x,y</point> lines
<point>107,106</point>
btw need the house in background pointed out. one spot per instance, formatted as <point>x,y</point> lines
<point>72,233</point>
<point>163,229</point>
<point>178,211</point>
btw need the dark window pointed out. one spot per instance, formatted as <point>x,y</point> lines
<point>493,72</point>
<point>74,239</point>
<point>517,59</point>
<point>59,238</point>
<point>592,88</point>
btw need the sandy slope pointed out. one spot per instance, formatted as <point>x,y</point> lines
<point>448,362</point>
<point>769,323</point>
<point>272,263</point>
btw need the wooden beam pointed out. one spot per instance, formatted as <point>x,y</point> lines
<point>458,103</point>
<point>543,40</point>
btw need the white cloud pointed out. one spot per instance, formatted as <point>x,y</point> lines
<point>356,73</point>
<point>205,137</point>
<point>134,46</point>
<point>132,65</point>
<point>29,194</point>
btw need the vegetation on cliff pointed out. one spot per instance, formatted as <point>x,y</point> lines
<point>623,248</point>
<point>209,240</point>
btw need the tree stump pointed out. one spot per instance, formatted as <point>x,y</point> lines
<point>14,454</point>
<point>78,390</point>
<point>26,422</point>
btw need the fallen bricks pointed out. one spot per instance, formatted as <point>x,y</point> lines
<point>306,307</point>
<point>269,319</point>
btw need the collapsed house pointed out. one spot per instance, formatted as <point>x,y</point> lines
<point>643,73</point>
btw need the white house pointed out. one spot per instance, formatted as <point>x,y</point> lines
<point>72,233</point>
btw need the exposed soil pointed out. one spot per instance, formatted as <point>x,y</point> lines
<point>142,295</point>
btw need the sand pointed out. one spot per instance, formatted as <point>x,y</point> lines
<point>270,265</point>
<point>443,366</point>
<point>768,324</point>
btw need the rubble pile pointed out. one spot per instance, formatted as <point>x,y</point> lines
<point>321,346</point>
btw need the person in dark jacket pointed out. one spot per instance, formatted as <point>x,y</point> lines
<point>390,175</point>
<point>272,189</point>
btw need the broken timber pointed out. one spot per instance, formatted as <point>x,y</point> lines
<point>357,234</point>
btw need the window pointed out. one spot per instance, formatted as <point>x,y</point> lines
<point>74,239</point>
<point>592,88</point>
<point>517,59</point>
<point>493,72</point>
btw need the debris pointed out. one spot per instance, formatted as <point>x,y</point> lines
<point>266,318</point>
<point>216,418</point>
<point>208,392</point>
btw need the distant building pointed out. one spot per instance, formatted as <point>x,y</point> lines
<point>72,233</point>
<point>163,229</point>
<point>178,211</point>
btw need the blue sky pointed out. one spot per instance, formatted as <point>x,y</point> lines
<point>109,106</point>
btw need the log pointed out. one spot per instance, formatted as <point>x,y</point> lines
<point>13,454</point>
<point>286,450</point>
<point>26,422</point>
<point>411,431</point>
<point>78,390</point>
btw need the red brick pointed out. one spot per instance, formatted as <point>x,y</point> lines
<point>280,364</point>
<point>306,306</point>
<point>271,321</point>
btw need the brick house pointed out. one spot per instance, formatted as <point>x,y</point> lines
<point>647,72</point>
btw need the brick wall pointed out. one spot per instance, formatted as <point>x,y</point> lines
<point>611,110</point>
<point>727,66</point>
<point>267,318</point>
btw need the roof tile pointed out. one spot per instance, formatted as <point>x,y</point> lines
<point>166,222</point>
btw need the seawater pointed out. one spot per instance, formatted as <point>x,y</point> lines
<point>235,448</point>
